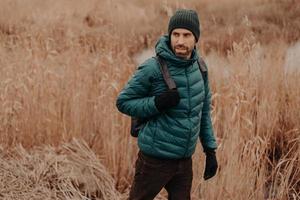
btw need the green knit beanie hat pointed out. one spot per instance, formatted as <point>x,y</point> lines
<point>187,19</point>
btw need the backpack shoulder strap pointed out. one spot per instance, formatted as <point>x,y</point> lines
<point>203,69</point>
<point>165,72</point>
<point>202,66</point>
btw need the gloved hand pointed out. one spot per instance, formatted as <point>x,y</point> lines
<point>211,164</point>
<point>166,100</point>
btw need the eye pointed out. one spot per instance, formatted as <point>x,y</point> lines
<point>175,34</point>
<point>187,35</point>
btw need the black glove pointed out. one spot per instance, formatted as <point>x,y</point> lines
<point>211,164</point>
<point>166,100</point>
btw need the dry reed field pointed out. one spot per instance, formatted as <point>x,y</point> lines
<point>62,64</point>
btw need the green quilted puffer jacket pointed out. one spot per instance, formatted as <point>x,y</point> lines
<point>174,133</point>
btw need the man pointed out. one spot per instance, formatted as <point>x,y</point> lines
<point>175,118</point>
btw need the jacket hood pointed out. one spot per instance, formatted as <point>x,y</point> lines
<point>163,49</point>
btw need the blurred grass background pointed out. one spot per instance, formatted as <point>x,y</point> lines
<point>63,62</point>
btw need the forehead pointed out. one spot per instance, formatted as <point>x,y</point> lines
<point>181,31</point>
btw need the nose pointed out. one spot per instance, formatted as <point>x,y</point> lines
<point>180,40</point>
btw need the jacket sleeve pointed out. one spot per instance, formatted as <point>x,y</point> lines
<point>134,100</point>
<point>207,137</point>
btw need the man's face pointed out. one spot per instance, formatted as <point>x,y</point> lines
<point>182,42</point>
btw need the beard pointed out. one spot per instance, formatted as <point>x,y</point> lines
<point>182,51</point>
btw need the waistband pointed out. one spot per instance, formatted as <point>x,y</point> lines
<point>149,157</point>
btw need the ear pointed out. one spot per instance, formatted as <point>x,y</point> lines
<point>195,40</point>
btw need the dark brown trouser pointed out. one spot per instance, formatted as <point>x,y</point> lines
<point>152,174</point>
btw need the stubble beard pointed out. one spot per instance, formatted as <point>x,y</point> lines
<point>182,51</point>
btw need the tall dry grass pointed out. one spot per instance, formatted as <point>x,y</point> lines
<point>72,171</point>
<point>257,122</point>
<point>63,63</point>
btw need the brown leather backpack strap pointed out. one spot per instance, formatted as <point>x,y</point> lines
<point>202,65</point>
<point>166,74</point>
<point>203,70</point>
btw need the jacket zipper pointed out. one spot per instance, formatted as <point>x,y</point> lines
<point>189,111</point>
